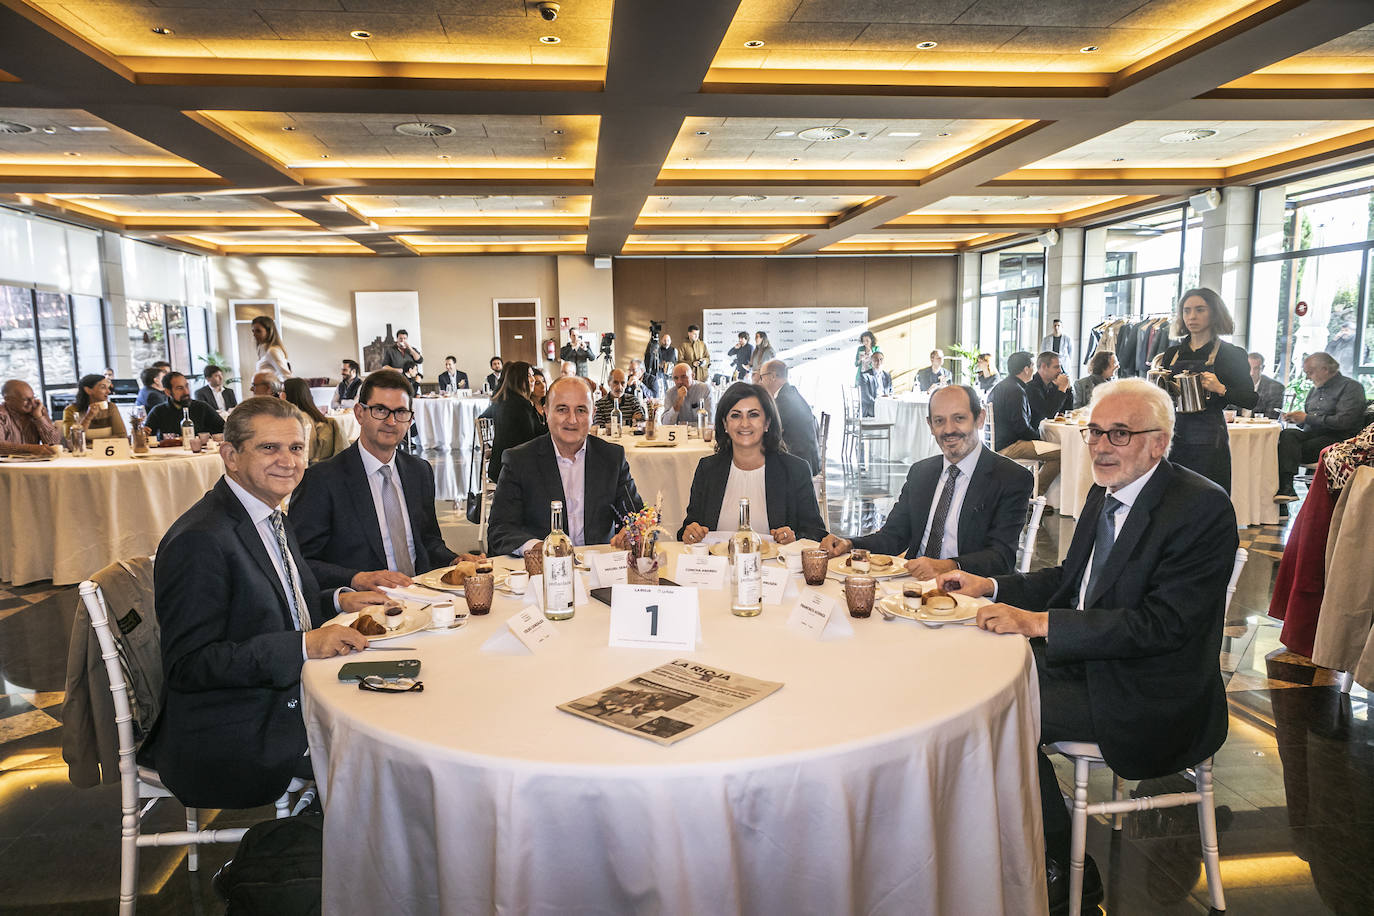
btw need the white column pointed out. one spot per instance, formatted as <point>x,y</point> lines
<point>1228,240</point>
<point>112,281</point>
<point>1064,291</point>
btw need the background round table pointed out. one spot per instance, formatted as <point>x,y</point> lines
<point>448,423</point>
<point>668,470</point>
<point>1254,470</point>
<point>323,397</point>
<point>68,518</point>
<point>894,772</point>
<point>911,438</point>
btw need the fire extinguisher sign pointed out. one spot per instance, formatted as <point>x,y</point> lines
<point>1300,309</point>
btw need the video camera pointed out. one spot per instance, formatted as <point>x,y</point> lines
<point>607,340</point>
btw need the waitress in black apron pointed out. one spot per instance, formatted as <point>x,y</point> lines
<point>1201,442</point>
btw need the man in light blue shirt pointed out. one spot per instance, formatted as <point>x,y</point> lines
<point>682,401</point>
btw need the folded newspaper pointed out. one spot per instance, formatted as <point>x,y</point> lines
<point>672,701</point>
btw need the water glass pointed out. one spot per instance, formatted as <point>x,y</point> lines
<point>478,591</point>
<point>858,594</point>
<point>76,441</point>
<point>814,562</point>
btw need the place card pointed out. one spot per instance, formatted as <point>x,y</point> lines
<point>534,593</point>
<point>654,617</point>
<point>114,447</point>
<point>607,568</point>
<point>709,572</point>
<point>532,628</point>
<point>777,582</point>
<point>811,614</point>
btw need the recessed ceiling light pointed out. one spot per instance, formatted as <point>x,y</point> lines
<point>795,159</point>
<point>50,130</point>
<point>360,34</point>
<point>927,45</point>
<point>72,154</point>
<point>162,30</point>
<point>753,43</point>
<point>703,133</point>
<point>943,133</point>
<point>559,158</point>
<point>550,39</point>
<point>1119,159</point>
<point>901,160</point>
<point>556,131</point>
<point>324,155</point>
<point>904,133</point>
<point>92,129</point>
<point>536,203</point>
<point>1301,133</point>
<point>785,133</point>
<point>443,156</point>
<point>686,158</point>
<point>824,134</point>
<point>289,127</point>
<point>423,129</point>
<point>799,200</point>
<point>1191,135</point>
<point>1090,49</point>
<point>14,127</point>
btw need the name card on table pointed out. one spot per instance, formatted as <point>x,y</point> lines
<point>708,572</point>
<point>777,582</point>
<point>535,592</point>
<point>114,447</point>
<point>811,614</point>
<point>654,617</point>
<point>607,568</point>
<point>532,628</point>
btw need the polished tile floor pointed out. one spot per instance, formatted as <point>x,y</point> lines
<point>1295,780</point>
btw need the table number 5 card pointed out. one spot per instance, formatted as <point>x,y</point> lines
<point>650,617</point>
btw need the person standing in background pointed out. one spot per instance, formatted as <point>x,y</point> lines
<point>271,351</point>
<point>577,352</point>
<point>667,359</point>
<point>694,353</point>
<point>863,357</point>
<point>1057,341</point>
<point>401,355</point>
<point>742,353</point>
<point>763,352</point>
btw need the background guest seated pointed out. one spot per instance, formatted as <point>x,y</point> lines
<point>514,417</point>
<point>25,428</point>
<point>685,398</point>
<point>214,393</point>
<point>874,382</point>
<point>1102,368</point>
<point>452,378</point>
<point>620,399</point>
<point>1015,435</point>
<point>328,438</point>
<point>346,393</point>
<point>1334,410</point>
<point>798,420</point>
<point>935,375</point>
<point>165,418</point>
<point>93,412</point>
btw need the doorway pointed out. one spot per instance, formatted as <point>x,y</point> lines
<point>242,312</point>
<point>517,329</point>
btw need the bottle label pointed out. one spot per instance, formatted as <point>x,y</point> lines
<point>748,578</point>
<point>558,583</point>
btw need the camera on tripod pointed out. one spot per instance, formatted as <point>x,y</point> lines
<point>607,340</point>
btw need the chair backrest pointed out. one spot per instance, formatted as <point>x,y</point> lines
<point>1241,557</point>
<point>1037,509</point>
<point>989,435</point>
<point>851,404</point>
<point>486,431</point>
<point>94,600</point>
<point>822,435</point>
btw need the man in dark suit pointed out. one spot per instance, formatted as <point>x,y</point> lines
<point>589,475</point>
<point>1049,389</point>
<point>961,510</point>
<point>935,375</point>
<point>350,382</point>
<point>452,378</point>
<point>874,382</point>
<point>1126,632</point>
<point>165,418</point>
<point>366,516</point>
<point>213,391</point>
<point>798,421</point>
<point>1015,434</point>
<point>1269,390</point>
<point>240,612</point>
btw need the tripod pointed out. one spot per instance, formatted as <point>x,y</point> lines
<point>607,364</point>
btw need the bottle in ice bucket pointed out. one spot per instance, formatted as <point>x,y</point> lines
<point>558,567</point>
<point>746,593</point>
<point>140,433</point>
<point>188,429</point>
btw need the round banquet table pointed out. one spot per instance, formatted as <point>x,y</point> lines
<point>666,470</point>
<point>448,423</point>
<point>68,518</point>
<point>348,422</point>
<point>911,438</point>
<point>894,772</point>
<point>323,397</point>
<point>1254,470</point>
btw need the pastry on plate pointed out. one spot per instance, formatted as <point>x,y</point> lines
<point>459,574</point>
<point>368,625</point>
<point>880,561</point>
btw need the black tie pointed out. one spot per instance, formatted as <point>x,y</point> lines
<point>1102,543</point>
<point>935,541</point>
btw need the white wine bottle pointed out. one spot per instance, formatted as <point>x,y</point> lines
<point>558,567</point>
<point>746,595</point>
<point>188,429</point>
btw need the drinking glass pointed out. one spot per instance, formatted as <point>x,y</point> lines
<point>814,561</point>
<point>478,591</point>
<point>858,594</point>
<point>534,560</point>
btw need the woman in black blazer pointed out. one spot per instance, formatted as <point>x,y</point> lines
<point>750,461</point>
<point>515,421</point>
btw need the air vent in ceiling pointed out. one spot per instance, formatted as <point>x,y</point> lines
<point>423,129</point>
<point>1192,135</point>
<point>14,127</point>
<point>748,198</point>
<point>825,133</point>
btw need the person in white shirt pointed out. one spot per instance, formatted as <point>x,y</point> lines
<point>682,401</point>
<point>271,351</point>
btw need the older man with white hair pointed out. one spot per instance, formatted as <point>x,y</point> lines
<point>25,427</point>
<point>265,385</point>
<point>1126,631</point>
<point>685,398</point>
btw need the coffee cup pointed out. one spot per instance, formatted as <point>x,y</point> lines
<point>519,581</point>
<point>441,615</point>
<point>792,559</point>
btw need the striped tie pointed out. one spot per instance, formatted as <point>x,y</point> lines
<point>279,528</point>
<point>936,540</point>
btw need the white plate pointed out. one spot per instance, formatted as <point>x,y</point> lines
<point>966,608</point>
<point>434,579</point>
<point>840,569</point>
<point>413,620</point>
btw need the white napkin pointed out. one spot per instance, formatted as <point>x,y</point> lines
<point>416,593</point>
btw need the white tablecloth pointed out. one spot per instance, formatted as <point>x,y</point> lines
<point>66,519</point>
<point>893,773</point>
<point>323,397</point>
<point>348,422</point>
<point>1254,470</point>
<point>911,438</point>
<point>448,423</point>
<point>666,470</point>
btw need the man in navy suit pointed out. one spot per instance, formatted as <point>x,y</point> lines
<point>1126,632</point>
<point>240,612</point>
<point>366,516</point>
<point>213,391</point>
<point>961,510</point>
<point>588,475</point>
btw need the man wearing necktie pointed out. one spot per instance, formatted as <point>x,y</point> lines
<point>366,516</point>
<point>1126,632</point>
<point>962,509</point>
<point>240,611</point>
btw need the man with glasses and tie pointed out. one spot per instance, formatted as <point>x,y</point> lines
<point>962,509</point>
<point>1126,631</point>
<point>366,516</point>
<point>240,611</point>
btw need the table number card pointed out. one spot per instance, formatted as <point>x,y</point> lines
<point>654,617</point>
<point>607,568</point>
<point>709,572</point>
<point>532,628</point>
<point>776,583</point>
<point>811,614</point>
<point>114,447</point>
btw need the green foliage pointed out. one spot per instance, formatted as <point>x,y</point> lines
<point>964,369</point>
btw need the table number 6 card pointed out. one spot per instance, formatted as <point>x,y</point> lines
<point>113,447</point>
<point>650,617</point>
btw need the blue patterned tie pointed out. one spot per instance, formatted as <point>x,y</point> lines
<point>935,541</point>
<point>1103,542</point>
<point>279,528</point>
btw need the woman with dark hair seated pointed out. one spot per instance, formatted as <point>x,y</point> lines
<point>328,437</point>
<point>93,411</point>
<point>749,462</point>
<point>514,418</point>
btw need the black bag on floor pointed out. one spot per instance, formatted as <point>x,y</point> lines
<point>276,870</point>
<point>474,508</point>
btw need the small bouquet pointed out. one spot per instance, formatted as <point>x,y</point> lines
<point>641,531</point>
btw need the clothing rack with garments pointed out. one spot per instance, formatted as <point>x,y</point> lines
<point>1135,341</point>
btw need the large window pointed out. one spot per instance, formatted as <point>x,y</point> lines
<point>49,358</point>
<point>18,344</point>
<point>1012,287</point>
<point>177,333</point>
<point>1310,293</point>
